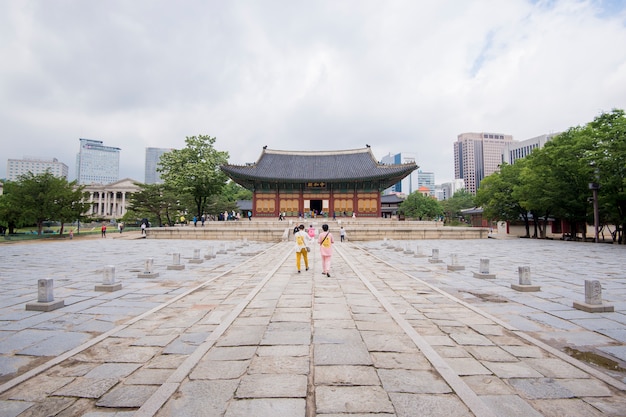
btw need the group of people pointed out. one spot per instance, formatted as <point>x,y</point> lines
<point>325,240</point>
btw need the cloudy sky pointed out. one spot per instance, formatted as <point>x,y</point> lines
<point>402,76</point>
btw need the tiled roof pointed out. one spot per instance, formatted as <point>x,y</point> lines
<point>318,166</point>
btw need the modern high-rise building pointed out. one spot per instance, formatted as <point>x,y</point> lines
<point>477,155</point>
<point>447,189</point>
<point>409,183</point>
<point>426,179</point>
<point>36,166</point>
<point>153,155</point>
<point>96,163</point>
<point>517,150</point>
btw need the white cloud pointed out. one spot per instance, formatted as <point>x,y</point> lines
<point>402,76</point>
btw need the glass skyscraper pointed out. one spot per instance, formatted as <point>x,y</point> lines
<point>153,155</point>
<point>96,163</point>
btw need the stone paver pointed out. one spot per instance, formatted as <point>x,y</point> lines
<point>399,339</point>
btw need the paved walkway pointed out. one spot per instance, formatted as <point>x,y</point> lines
<point>389,333</point>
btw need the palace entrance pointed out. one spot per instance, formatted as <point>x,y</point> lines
<point>316,206</point>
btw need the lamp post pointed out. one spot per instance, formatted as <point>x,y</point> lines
<point>594,187</point>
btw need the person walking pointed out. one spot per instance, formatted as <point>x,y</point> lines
<point>302,250</point>
<point>103,229</point>
<point>342,233</point>
<point>326,248</point>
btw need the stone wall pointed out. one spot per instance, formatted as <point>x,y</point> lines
<point>275,231</point>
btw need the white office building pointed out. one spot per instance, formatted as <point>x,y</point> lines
<point>96,163</point>
<point>517,150</point>
<point>36,166</point>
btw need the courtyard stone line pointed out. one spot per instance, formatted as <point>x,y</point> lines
<point>588,369</point>
<point>325,330</point>
<point>156,401</point>
<point>72,352</point>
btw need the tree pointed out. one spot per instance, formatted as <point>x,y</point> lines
<point>421,207</point>
<point>607,162</point>
<point>70,203</point>
<point>496,195</point>
<point>11,215</point>
<point>195,170</point>
<point>461,200</point>
<point>42,197</point>
<point>155,201</point>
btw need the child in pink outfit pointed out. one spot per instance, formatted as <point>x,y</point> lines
<point>326,248</point>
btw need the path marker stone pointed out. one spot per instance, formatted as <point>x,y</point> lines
<point>210,253</point>
<point>407,249</point>
<point>418,252</point>
<point>483,270</point>
<point>148,270</point>
<point>525,284</point>
<point>176,265</point>
<point>196,257</point>
<point>593,299</point>
<point>454,263</point>
<point>434,258</point>
<point>45,297</point>
<point>222,249</point>
<point>108,280</point>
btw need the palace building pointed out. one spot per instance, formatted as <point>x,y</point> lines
<point>340,183</point>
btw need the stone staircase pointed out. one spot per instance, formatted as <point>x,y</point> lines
<point>265,230</point>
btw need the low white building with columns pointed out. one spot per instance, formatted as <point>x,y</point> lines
<point>109,201</point>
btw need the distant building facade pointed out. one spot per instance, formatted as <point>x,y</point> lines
<point>97,163</point>
<point>408,184</point>
<point>109,201</point>
<point>477,155</point>
<point>426,180</point>
<point>447,189</point>
<point>515,150</point>
<point>153,156</point>
<point>36,166</point>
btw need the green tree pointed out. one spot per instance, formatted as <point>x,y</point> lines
<point>607,163</point>
<point>195,170</point>
<point>43,197</point>
<point>554,182</point>
<point>153,201</point>
<point>421,207</point>
<point>70,203</point>
<point>496,195</point>
<point>11,216</point>
<point>461,200</point>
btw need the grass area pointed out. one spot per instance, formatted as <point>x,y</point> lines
<point>52,232</point>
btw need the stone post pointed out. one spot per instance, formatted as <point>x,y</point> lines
<point>525,285</point>
<point>454,263</point>
<point>176,265</point>
<point>108,280</point>
<point>148,269</point>
<point>434,259</point>
<point>418,252</point>
<point>45,297</point>
<point>196,257</point>
<point>593,299</point>
<point>407,249</point>
<point>483,270</point>
<point>210,253</point>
